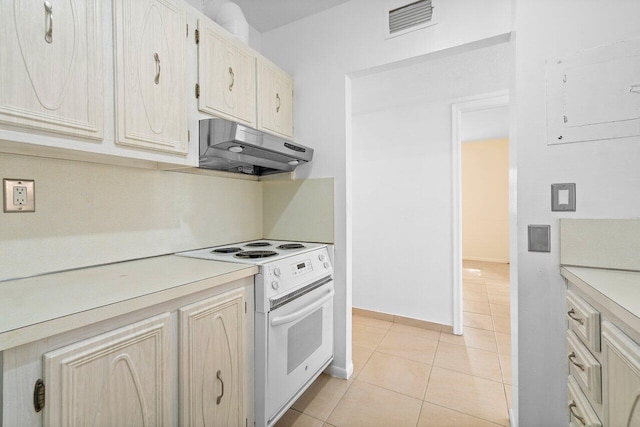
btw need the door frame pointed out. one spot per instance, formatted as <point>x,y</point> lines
<point>474,103</point>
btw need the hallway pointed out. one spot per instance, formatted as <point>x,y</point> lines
<point>409,376</point>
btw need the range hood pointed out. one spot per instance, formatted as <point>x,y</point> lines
<point>229,146</point>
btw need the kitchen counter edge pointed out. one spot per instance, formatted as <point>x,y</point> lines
<point>617,290</point>
<point>39,307</point>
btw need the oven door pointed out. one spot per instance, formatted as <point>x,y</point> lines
<point>300,344</point>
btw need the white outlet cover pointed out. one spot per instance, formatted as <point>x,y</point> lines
<point>12,190</point>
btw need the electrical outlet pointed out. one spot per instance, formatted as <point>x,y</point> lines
<point>19,195</point>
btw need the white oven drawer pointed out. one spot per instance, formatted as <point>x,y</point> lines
<point>300,343</point>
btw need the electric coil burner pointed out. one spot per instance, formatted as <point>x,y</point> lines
<point>291,246</point>
<point>226,250</point>
<point>255,254</point>
<point>257,244</point>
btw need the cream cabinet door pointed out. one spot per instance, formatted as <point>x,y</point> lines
<point>150,43</point>
<point>120,378</point>
<point>622,378</point>
<point>275,100</point>
<point>227,76</point>
<point>212,362</point>
<point>51,66</point>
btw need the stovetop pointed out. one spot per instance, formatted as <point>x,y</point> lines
<point>257,252</point>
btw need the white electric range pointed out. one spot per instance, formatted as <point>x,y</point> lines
<point>293,317</point>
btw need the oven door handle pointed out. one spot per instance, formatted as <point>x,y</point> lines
<point>282,320</point>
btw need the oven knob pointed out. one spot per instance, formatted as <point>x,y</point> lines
<point>276,271</point>
<point>326,265</point>
<point>275,285</point>
<point>321,257</point>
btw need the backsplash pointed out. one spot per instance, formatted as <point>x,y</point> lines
<point>601,243</point>
<point>88,214</point>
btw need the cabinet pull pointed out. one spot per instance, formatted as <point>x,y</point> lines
<point>571,358</point>
<point>219,376</point>
<point>572,406</point>
<point>233,79</point>
<point>572,314</point>
<point>278,104</point>
<point>157,58</point>
<point>48,17</point>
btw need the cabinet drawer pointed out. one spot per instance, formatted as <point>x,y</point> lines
<point>580,411</point>
<point>584,367</point>
<point>584,320</point>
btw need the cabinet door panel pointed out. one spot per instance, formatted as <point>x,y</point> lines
<point>150,74</point>
<point>275,100</point>
<point>52,74</point>
<point>212,362</point>
<point>622,378</point>
<point>226,76</point>
<point>118,378</point>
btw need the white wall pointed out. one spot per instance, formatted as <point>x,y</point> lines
<point>490,123</point>
<point>321,51</point>
<point>485,200</point>
<point>402,190</point>
<point>606,174</point>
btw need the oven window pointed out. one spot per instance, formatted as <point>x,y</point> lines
<point>303,339</point>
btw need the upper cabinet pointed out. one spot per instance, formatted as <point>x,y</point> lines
<point>226,75</point>
<point>151,105</point>
<point>275,99</point>
<point>594,94</point>
<point>51,61</point>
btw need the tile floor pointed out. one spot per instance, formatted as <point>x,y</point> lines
<point>408,376</point>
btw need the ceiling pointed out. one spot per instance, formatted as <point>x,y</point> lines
<point>265,15</point>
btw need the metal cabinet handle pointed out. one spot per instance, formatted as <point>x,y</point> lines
<point>572,314</point>
<point>572,406</point>
<point>48,17</point>
<point>296,315</point>
<point>571,356</point>
<point>157,59</point>
<point>278,105</point>
<point>233,79</point>
<point>219,376</point>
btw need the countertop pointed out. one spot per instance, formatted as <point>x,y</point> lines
<point>620,289</point>
<point>37,307</point>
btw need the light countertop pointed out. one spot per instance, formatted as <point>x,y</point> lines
<point>37,307</point>
<point>621,289</point>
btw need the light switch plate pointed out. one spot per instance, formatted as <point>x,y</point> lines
<point>539,238</point>
<point>563,197</point>
<point>19,195</point>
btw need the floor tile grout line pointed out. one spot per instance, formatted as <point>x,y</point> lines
<point>461,412</point>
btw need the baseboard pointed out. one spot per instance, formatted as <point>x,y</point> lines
<point>403,320</point>
<point>496,260</point>
<point>338,372</point>
<point>512,420</point>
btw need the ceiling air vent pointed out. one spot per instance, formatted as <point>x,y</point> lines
<point>403,17</point>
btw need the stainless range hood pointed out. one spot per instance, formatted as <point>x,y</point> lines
<point>229,146</point>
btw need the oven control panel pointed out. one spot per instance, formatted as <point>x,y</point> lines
<point>301,267</point>
<point>279,277</point>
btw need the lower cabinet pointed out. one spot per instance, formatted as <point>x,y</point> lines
<point>183,362</point>
<point>212,362</point>
<point>118,378</point>
<point>604,379</point>
<point>622,377</point>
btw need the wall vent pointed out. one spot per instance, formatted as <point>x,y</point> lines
<point>402,17</point>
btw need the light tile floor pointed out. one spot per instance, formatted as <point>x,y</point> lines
<point>407,376</point>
